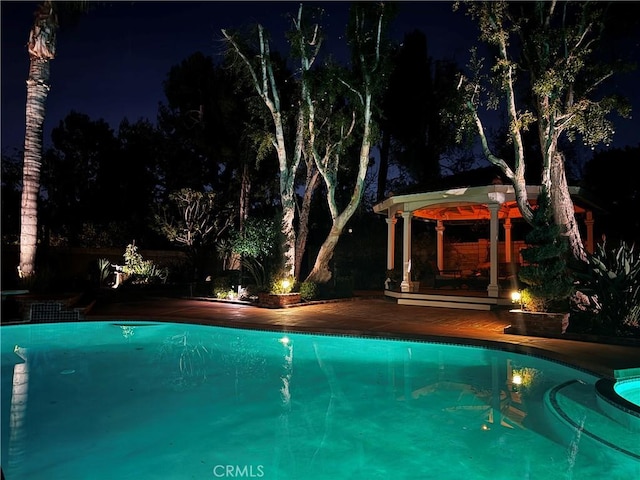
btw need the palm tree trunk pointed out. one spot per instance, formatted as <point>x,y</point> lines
<point>42,41</point>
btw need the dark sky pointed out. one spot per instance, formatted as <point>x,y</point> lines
<point>112,63</point>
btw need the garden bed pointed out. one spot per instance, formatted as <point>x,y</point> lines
<point>540,324</point>
<point>281,300</point>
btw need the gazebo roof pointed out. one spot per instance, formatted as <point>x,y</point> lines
<point>469,203</point>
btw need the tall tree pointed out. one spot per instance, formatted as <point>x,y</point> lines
<point>42,49</point>
<point>413,133</point>
<point>287,135</point>
<point>132,181</point>
<point>550,51</point>
<point>367,36</point>
<point>330,107</point>
<point>206,121</point>
<point>74,177</point>
<point>195,120</point>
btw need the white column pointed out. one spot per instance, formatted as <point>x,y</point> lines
<point>507,240</point>
<point>440,244</point>
<point>391,242</point>
<point>405,286</point>
<point>493,288</point>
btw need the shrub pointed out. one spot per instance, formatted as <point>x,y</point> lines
<point>222,287</point>
<point>308,291</point>
<point>141,270</point>
<point>533,303</point>
<point>546,274</point>
<point>282,284</point>
<point>258,244</point>
<point>610,288</point>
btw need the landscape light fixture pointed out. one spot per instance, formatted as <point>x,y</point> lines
<point>516,297</point>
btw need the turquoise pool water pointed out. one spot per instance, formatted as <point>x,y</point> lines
<point>145,400</point>
<point>629,390</point>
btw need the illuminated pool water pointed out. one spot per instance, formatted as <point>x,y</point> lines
<point>629,390</point>
<point>145,400</point>
<point>620,400</point>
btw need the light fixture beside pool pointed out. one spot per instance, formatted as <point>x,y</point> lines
<point>516,297</point>
<point>517,379</point>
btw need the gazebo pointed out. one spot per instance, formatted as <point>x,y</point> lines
<point>495,203</point>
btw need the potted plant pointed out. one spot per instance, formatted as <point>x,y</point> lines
<point>544,303</point>
<point>280,294</point>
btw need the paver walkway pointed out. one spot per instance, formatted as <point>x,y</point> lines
<point>378,317</point>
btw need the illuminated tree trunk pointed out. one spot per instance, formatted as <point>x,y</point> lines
<point>235,260</point>
<point>303,231</point>
<point>321,272</point>
<point>41,46</point>
<point>309,40</point>
<point>556,49</point>
<point>369,53</point>
<point>264,82</point>
<point>562,205</point>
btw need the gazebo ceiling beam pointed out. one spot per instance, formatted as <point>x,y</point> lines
<point>459,204</point>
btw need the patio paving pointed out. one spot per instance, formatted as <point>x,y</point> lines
<point>375,316</point>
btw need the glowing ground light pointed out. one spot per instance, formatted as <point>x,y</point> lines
<point>516,297</point>
<point>284,340</point>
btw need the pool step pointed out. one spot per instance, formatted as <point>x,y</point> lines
<point>462,302</point>
<point>577,418</point>
<point>34,308</point>
<point>444,304</point>
<point>620,409</point>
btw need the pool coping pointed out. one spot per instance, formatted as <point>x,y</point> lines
<point>503,346</point>
<point>377,318</point>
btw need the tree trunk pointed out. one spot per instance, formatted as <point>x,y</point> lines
<point>554,178</point>
<point>321,272</point>
<point>288,231</point>
<point>41,51</point>
<point>235,260</point>
<point>265,85</point>
<point>303,227</point>
<point>562,204</point>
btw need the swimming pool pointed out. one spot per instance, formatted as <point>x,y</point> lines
<point>147,400</point>
<point>629,390</point>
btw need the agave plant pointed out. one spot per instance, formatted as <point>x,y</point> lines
<point>104,269</point>
<point>610,287</point>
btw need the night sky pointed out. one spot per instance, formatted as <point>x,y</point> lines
<point>111,65</point>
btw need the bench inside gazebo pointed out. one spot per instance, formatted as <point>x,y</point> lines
<point>482,283</point>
